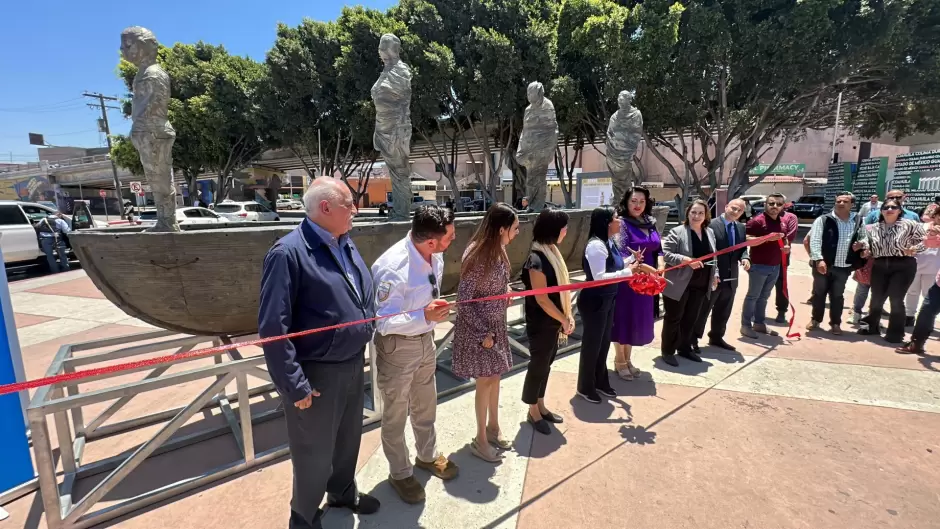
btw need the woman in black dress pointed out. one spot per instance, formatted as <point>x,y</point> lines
<point>548,317</point>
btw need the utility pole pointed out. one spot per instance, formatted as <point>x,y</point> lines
<point>835,132</point>
<point>107,132</point>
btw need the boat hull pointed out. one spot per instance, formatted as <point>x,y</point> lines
<point>206,281</point>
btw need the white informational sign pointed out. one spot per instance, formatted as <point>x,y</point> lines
<point>594,191</point>
<point>136,187</point>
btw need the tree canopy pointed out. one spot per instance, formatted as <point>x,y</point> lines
<point>718,82</point>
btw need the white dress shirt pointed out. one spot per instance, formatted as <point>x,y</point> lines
<point>596,253</point>
<point>402,282</point>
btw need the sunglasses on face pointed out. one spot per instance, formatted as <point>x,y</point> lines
<point>890,208</point>
<point>434,291</point>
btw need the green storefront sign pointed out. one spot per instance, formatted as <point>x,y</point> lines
<point>781,169</point>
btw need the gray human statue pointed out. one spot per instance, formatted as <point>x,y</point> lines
<point>624,133</point>
<point>537,143</point>
<point>391,94</point>
<point>151,132</point>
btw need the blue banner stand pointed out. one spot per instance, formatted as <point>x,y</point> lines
<point>14,443</point>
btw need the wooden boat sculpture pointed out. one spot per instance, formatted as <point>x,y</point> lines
<point>205,281</point>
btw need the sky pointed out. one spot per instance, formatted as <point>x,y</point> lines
<point>52,51</point>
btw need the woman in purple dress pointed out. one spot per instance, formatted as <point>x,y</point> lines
<point>633,313</point>
<point>481,342</point>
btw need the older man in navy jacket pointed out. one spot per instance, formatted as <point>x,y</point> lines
<point>314,277</point>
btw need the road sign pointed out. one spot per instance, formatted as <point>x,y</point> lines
<point>102,193</point>
<point>136,187</point>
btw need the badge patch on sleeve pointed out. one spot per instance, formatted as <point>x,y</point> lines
<point>385,288</point>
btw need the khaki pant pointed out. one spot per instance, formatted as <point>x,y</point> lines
<point>406,367</point>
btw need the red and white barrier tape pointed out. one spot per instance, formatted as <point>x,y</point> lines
<point>210,351</point>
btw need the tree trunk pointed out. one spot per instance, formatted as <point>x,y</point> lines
<point>193,186</point>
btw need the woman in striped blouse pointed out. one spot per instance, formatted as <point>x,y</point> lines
<point>892,242</point>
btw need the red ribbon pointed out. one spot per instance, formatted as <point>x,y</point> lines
<point>640,281</point>
<point>784,259</point>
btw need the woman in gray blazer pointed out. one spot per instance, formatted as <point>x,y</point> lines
<point>689,287</point>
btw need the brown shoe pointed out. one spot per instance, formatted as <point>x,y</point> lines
<point>441,467</point>
<point>812,325</point>
<point>835,329</point>
<point>409,489</point>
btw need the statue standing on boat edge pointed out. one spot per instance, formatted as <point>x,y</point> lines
<point>151,132</point>
<point>391,94</point>
<point>624,133</point>
<point>537,143</point>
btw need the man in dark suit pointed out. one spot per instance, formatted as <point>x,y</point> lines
<point>728,232</point>
<point>315,277</point>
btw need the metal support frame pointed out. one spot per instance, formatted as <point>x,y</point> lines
<point>65,403</point>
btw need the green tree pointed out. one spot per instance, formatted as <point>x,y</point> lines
<point>603,48</point>
<point>125,155</point>
<point>908,89</point>
<point>433,69</point>
<point>745,75</point>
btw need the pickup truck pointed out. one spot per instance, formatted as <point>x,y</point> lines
<point>809,206</point>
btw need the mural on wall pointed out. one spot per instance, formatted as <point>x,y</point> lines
<point>33,189</point>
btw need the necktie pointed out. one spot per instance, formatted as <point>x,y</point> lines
<point>730,234</point>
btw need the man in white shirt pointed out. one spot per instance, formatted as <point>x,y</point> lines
<point>408,278</point>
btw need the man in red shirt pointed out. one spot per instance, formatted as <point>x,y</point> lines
<point>765,265</point>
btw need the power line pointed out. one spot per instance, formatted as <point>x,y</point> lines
<point>45,106</point>
<point>18,136</point>
<point>107,130</point>
<point>48,111</point>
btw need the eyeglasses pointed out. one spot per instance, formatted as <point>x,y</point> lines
<point>774,204</point>
<point>434,291</point>
<point>890,208</point>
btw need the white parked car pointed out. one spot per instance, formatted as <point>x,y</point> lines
<point>19,240</point>
<point>289,203</point>
<point>185,216</point>
<point>245,212</point>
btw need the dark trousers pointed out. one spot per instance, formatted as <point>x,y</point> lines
<point>782,302</point>
<point>719,306</point>
<point>927,316</point>
<point>597,315</point>
<point>324,440</point>
<point>890,279</point>
<point>832,285</point>
<point>679,320</point>
<point>52,247</point>
<point>543,346</point>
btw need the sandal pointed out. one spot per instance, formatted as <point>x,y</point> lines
<point>495,457</point>
<point>497,440</point>
<point>625,374</point>
<point>635,371</point>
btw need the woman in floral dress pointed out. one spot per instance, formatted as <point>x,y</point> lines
<point>481,345</point>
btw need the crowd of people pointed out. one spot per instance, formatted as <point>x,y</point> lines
<point>315,277</point>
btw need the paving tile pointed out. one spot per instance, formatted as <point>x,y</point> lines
<point>82,287</point>
<point>477,496</point>
<point>53,329</point>
<point>25,320</point>
<point>100,310</point>
<point>873,386</point>
<point>28,284</point>
<point>680,457</point>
